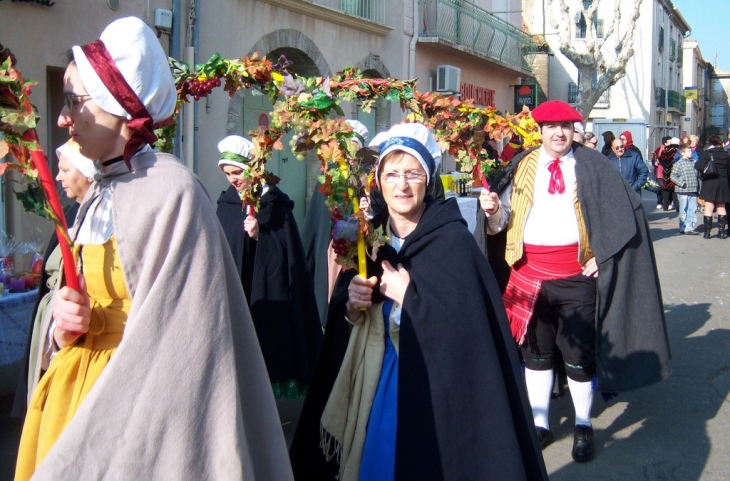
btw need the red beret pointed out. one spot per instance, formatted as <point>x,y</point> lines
<point>555,111</point>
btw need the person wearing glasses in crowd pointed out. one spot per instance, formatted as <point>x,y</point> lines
<point>590,140</point>
<point>628,139</point>
<point>156,371</point>
<point>429,386</point>
<point>583,280</point>
<point>632,168</point>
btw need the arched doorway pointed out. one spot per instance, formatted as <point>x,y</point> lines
<point>249,109</point>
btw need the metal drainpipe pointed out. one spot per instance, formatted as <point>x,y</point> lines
<point>175,53</point>
<point>196,37</point>
<point>414,40</point>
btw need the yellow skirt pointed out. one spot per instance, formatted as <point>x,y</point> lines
<point>75,369</point>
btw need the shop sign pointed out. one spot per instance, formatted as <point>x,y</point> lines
<point>525,95</point>
<point>481,95</point>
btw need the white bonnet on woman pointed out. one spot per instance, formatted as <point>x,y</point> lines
<point>413,138</point>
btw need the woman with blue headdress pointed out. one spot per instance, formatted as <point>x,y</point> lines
<point>418,376</point>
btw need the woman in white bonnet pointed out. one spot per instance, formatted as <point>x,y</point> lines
<point>156,372</point>
<point>429,384</point>
<point>76,173</point>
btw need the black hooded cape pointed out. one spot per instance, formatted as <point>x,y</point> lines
<point>463,411</point>
<point>276,283</point>
<point>632,344</point>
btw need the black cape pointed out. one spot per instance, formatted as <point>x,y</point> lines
<point>276,283</point>
<point>316,239</point>
<point>20,403</point>
<point>632,345</point>
<point>463,411</point>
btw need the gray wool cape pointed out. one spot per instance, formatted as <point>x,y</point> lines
<point>632,345</point>
<point>186,395</point>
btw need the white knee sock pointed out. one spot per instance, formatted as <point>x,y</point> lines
<point>582,394</point>
<point>539,390</point>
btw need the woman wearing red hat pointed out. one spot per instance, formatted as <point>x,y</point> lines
<point>577,240</point>
<point>156,372</point>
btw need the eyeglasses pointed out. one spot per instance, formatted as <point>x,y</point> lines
<point>411,177</point>
<point>619,148</point>
<point>72,100</point>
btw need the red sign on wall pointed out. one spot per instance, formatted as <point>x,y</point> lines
<point>480,95</point>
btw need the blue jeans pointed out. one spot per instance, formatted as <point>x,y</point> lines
<point>687,212</point>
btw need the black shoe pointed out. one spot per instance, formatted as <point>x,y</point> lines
<point>582,443</point>
<point>545,436</point>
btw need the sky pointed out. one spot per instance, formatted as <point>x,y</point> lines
<point>709,22</point>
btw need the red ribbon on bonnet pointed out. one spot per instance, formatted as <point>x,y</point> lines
<point>141,122</point>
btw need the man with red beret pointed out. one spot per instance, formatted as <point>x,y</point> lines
<point>583,284</point>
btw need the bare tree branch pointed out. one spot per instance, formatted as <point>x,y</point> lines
<point>588,55</point>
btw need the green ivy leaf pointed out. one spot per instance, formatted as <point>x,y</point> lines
<point>33,200</point>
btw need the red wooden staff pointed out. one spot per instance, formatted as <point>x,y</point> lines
<point>40,163</point>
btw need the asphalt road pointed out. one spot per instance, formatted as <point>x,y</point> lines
<point>677,429</point>
<point>674,430</point>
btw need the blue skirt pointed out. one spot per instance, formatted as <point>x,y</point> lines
<point>378,456</point>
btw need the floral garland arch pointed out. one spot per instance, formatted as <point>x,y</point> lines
<point>303,104</point>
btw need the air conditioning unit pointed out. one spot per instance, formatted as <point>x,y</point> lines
<point>448,79</point>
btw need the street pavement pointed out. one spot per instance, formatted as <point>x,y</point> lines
<point>678,429</point>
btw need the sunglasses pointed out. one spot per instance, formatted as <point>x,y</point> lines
<point>72,100</point>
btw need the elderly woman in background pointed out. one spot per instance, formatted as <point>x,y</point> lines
<point>76,173</point>
<point>155,353</point>
<point>715,190</point>
<point>590,140</point>
<point>429,386</point>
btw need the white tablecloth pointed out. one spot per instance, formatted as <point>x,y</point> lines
<point>15,311</point>
<point>468,207</point>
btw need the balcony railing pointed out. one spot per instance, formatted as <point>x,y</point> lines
<point>605,98</point>
<point>473,29</point>
<point>373,10</point>
<point>677,101</point>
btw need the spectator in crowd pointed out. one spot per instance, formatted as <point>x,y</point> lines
<point>608,138</point>
<point>686,185</point>
<point>590,140</point>
<point>658,169</point>
<point>628,139</point>
<point>688,142</point>
<point>666,161</point>
<point>632,168</point>
<point>578,131</point>
<point>715,190</point>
